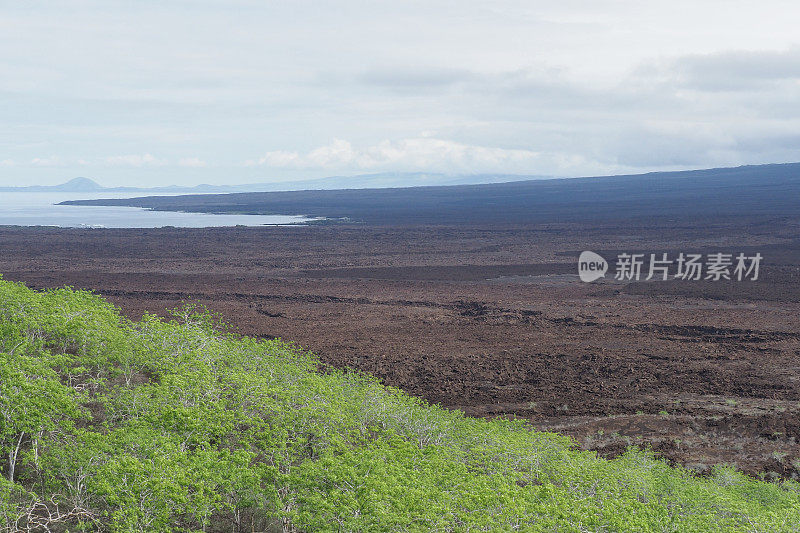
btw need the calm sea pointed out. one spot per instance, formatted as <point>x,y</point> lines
<point>39,209</point>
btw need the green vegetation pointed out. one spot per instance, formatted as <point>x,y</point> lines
<point>156,425</point>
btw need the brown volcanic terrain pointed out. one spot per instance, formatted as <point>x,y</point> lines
<point>493,319</point>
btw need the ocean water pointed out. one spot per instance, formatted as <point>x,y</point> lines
<point>40,209</point>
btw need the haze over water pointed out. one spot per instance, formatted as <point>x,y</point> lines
<point>40,209</point>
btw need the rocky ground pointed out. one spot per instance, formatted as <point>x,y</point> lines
<point>493,320</point>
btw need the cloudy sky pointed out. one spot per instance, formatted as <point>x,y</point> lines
<point>237,91</point>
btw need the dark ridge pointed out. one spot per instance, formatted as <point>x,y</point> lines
<point>772,190</point>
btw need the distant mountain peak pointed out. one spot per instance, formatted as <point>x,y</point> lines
<point>79,184</point>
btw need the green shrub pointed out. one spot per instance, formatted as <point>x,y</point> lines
<point>174,425</point>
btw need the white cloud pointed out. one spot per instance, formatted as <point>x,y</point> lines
<point>192,162</point>
<point>420,153</point>
<point>529,87</point>
<point>129,160</point>
<point>277,159</point>
<point>337,154</point>
<point>134,160</point>
<point>47,162</point>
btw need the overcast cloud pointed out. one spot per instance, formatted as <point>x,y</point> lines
<point>148,93</point>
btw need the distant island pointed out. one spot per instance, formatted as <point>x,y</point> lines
<point>362,181</point>
<point>73,185</point>
<point>82,184</point>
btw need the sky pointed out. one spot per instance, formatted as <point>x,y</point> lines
<point>184,92</point>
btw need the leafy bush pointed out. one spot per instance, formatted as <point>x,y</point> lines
<point>175,425</point>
